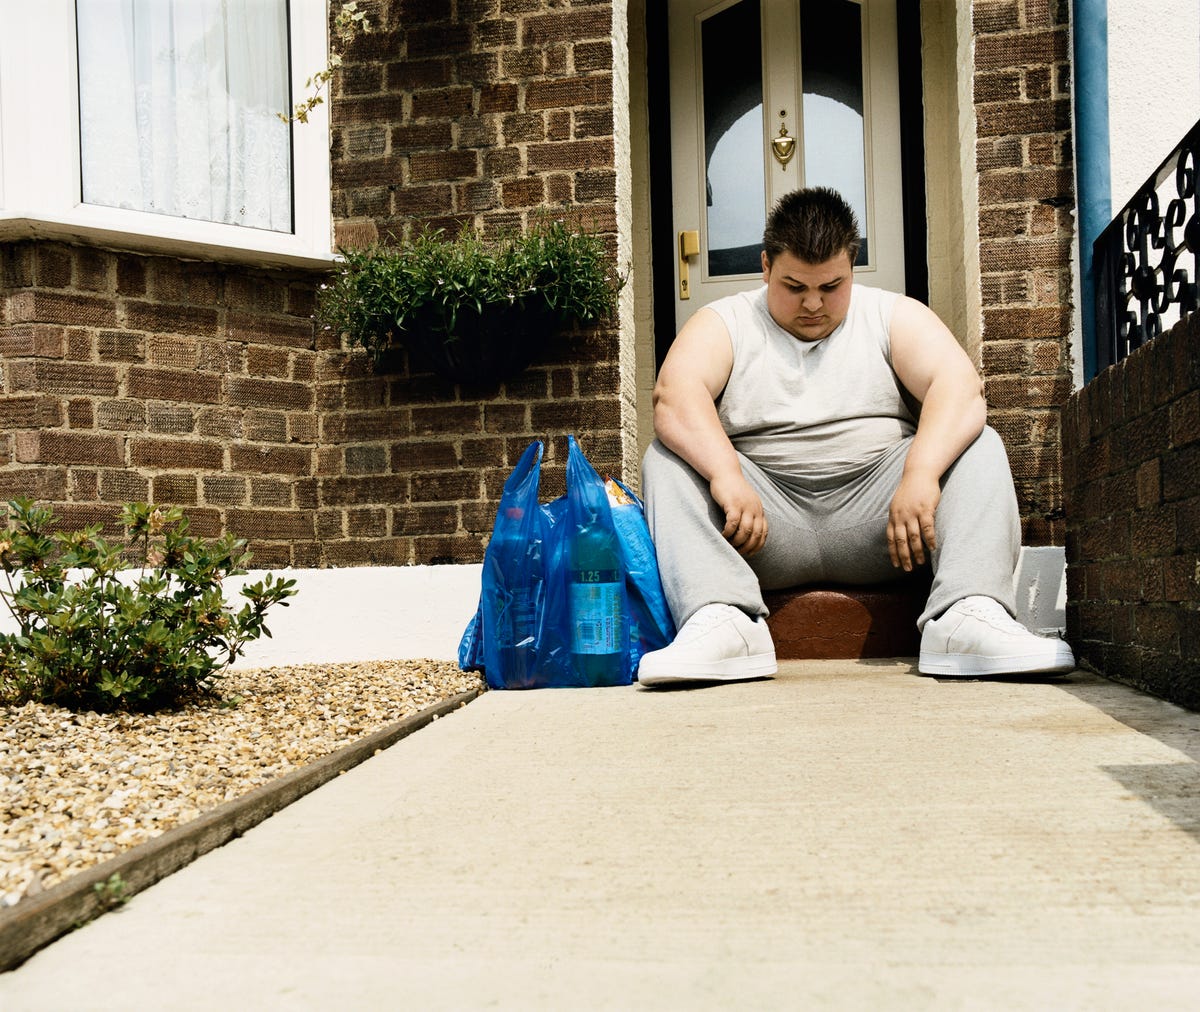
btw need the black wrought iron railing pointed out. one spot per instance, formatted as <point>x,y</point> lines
<point>1145,262</point>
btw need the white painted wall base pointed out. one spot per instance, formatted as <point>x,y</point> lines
<point>367,613</point>
<point>1041,585</point>
<point>421,611</point>
<point>394,612</point>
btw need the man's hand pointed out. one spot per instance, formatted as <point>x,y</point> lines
<point>745,522</point>
<point>910,527</point>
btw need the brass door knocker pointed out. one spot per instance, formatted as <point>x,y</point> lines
<point>783,146</point>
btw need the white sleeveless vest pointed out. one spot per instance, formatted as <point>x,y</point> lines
<point>813,413</point>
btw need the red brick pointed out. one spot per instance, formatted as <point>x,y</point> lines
<point>80,413</point>
<point>148,383</point>
<point>569,92</point>
<point>456,419</point>
<point>569,26</point>
<point>272,524</point>
<point>53,266</point>
<point>593,56</point>
<point>577,416</point>
<point>1001,186</point>
<point>225,489</point>
<point>994,17</point>
<point>1022,117</point>
<point>357,491</point>
<point>443,103</point>
<point>121,346</point>
<point>265,426</point>
<point>1016,50</point>
<point>1025,323</point>
<point>499,98</point>
<point>370,459</point>
<point>46,484</point>
<point>174,489</point>
<point>170,319</point>
<point>428,166</point>
<point>425,519</point>
<point>443,551</point>
<point>266,459</point>
<point>27,411</point>
<point>416,74</point>
<point>131,275</point>
<point>49,377</point>
<point>123,486</point>
<point>94,269</point>
<point>250,392</point>
<point>375,109</point>
<point>1180,472</point>
<point>1149,484</point>
<point>176,454</point>
<point>998,86</point>
<point>443,486</point>
<point>265,361</point>
<point>365,426</point>
<point>33,341</point>
<point>413,136</point>
<point>253,328</point>
<point>57,447</point>
<point>1185,419</point>
<point>368,552</point>
<point>1181,578</point>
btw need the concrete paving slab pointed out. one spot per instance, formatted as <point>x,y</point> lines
<point>848,835</point>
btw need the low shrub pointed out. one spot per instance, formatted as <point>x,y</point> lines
<point>138,626</point>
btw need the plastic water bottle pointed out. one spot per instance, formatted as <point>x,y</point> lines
<point>597,604</point>
<point>514,604</point>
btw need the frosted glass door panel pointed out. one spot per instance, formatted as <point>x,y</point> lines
<point>736,194</point>
<point>831,68</point>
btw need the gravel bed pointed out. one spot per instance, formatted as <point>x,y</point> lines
<point>78,788</point>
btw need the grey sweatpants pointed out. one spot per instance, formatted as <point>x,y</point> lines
<point>836,535</point>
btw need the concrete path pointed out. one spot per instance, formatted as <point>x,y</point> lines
<point>846,836</point>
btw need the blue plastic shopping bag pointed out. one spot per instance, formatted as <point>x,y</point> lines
<point>570,591</point>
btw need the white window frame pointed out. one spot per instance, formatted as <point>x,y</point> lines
<point>40,191</point>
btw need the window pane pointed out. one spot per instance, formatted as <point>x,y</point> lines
<point>178,104</point>
<point>832,71</point>
<point>731,44</point>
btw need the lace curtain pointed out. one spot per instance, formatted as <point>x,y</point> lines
<point>178,103</point>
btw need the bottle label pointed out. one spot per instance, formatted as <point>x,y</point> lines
<point>596,618</point>
<point>519,618</point>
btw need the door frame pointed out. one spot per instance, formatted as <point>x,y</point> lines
<point>912,146</point>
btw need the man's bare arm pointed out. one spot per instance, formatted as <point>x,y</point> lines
<point>934,368</point>
<point>692,377</point>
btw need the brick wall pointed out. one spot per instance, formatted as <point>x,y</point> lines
<point>132,377</point>
<point>1131,472</point>
<point>1022,108</point>
<point>128,377</point>
<point>488,113</point>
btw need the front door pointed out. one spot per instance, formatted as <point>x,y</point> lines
<point>768,96</point>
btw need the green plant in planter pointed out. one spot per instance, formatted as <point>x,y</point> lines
<point>466,307</point>
<point>88,639</point>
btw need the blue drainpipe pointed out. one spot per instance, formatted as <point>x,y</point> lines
<point>1092,179</point>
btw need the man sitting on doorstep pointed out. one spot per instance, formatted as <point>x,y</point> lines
<point>819,430</point>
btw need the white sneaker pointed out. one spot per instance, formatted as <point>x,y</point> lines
<point>977,637</point>
<point>719,643</point>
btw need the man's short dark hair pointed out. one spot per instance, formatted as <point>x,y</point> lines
<point>814,225</point>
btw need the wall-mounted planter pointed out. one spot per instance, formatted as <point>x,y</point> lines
<point>492,344</point>
<point>469,309</point>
